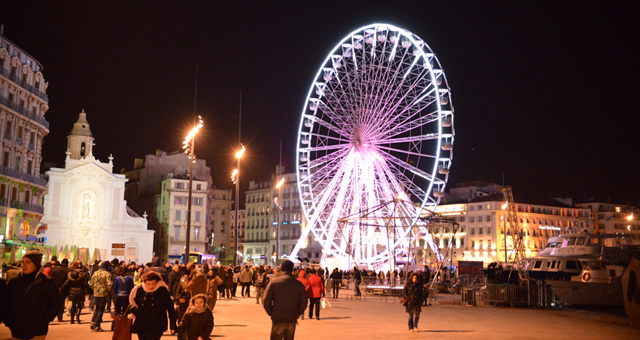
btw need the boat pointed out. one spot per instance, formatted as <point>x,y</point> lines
<point>560,258</point>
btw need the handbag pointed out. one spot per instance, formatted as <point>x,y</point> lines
<point>324,304</point>
<point>218,280</point>
<point>404,301</point>
<point>122,328</point>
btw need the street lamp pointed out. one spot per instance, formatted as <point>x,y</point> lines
<point>236,178</point>
<point>189,148</point>
<point>278,201</point>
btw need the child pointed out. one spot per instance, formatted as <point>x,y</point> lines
<point>181,308</point>
<point>197,322</point>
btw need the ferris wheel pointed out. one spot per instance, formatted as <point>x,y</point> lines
<point>377,126</point>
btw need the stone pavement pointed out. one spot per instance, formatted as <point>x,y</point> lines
<point>242,318</point>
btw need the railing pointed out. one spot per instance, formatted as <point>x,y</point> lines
<point>5,170</point>
<point>27,206</point>
<point>16,79</point>
<point>23,111</point>
<point>257,240</point>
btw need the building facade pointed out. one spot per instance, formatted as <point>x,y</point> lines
<point>482,230</point>
<point>85,206</point>
<point>143,190</point>
<point>173,214</point>
<point>263,221</point>
<point>220,241</point>
<point>615,219</point>
<point>257,217</point>
<point>23,104</point>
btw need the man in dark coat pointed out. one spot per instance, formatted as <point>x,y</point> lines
<point>33,299</point>
<point>174,280</point>
<point>285,300</point>
<point>59,274</point>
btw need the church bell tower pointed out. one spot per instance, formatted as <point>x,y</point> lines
<point>80,141</point>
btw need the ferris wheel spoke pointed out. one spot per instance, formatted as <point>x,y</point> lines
<point>419,138</point>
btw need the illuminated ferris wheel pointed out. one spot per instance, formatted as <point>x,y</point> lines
<point>377,126</point>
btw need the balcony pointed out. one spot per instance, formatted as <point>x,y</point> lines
<point>27,206</point>
<point>24,112</point>
<point>257,241</point>
<point>29,88</point>
<point>7,171</point>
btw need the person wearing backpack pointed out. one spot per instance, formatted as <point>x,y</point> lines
<point>262,280</point>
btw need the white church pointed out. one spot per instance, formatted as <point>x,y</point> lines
<point>84,205</point>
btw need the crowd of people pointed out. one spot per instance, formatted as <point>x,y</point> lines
<point>179,297</point>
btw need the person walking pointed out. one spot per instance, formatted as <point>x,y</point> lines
<point>228,284</point>
<point>59,273</point>
<point>33,300</point>
<point>285,300</point>
<point>302,277</point>
<point>197,283</point>
<point>101,285</point>
<point>122,286</point>
<point>336,280</point>
<point>174,280</point>
<point>151,303</point>
<point>357,277</point>
<point>76,288</point>
<point>245,281</point>
<point>262,280</point>
<point>412,292</point>
<point>315,292</point>
<point>212,289</point>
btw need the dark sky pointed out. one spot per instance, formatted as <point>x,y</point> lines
<point>545,93</point>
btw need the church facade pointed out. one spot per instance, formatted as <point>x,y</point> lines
<point>84,205</point>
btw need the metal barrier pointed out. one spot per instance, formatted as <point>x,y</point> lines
<point>533,295</point>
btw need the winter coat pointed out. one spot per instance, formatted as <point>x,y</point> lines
<point>151,308</point>
<point>174,281</point>
<point>31,307</point>
<point>101,283</point>
<point>4,299</point>
<point>262,280</point>
<point>413,293</point>
<point>245,276</point>
<point>75,288</point>
<point>212,286</point>
<point>197,285</point>
<point>316,286</point>
<point>59,275</point>
<point>197,324</point>
<point>122,285</point>
<point>228,283</point>
<point>285,299</point>
<point>302,277</point>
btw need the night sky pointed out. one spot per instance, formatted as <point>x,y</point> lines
<point>545,94</point>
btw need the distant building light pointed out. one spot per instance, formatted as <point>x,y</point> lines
<point>546,227</point>
<point>295,222</point>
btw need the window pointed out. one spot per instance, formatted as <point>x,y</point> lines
<point>178,215</point>
<point>213,211</point>
<point>179,185</point>
<point>488,230</point>
<point>197,217</point>
<point>223,211</point>
<point>198,201</point>
<point>488,218</point>
<point>176,233</point>
<point>198,186</point>
<point>471,219</point>
<point>196,232</point>
<point>473,244</point>
<point>462,242</point>
<point>473,231</point>
<point>175,250</point>
<point>480,231</point>
<point>479,218</point>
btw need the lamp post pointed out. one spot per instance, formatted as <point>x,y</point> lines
<point>278,201</point>
<point>236,177</point>
<point>189,148</point>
